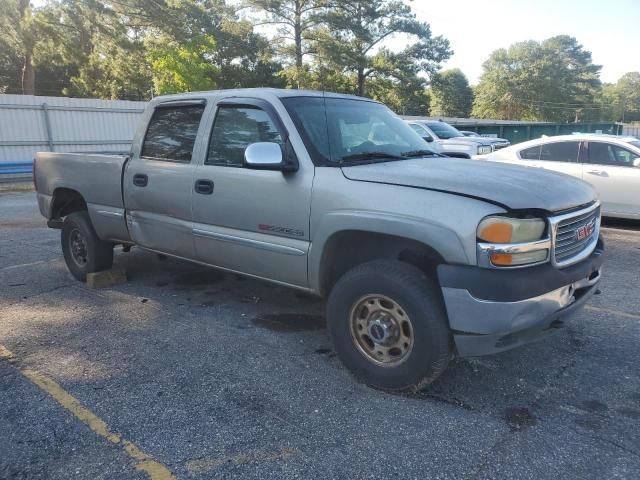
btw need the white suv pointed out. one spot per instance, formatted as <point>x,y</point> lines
<point>611,164</point>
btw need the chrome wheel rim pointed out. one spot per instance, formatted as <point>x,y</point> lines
<point>78,248</point>
<point>381,330</point>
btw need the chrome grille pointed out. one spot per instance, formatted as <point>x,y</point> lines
<point>571,243</point>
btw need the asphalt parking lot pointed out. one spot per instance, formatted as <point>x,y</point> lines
<point>190,373</point>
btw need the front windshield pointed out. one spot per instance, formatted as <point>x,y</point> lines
<point>444,130</point>
<point>341,131</point>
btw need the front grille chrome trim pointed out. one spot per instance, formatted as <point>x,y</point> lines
<point>566,250</point>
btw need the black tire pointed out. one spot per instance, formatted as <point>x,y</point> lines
<point>419,297</point>
<point>98,254</point>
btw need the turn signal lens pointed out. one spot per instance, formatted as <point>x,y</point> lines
<point>508,259</point>
<point>510,230</point>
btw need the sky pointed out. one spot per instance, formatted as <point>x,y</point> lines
<point>609,29</point>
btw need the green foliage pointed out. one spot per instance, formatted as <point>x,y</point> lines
<point>21,33</point>
<point>451,95</point>
<point>352,42</point>
<point>182,67</point>
<point>11,57</point>
<point>296,22</point>
<point>133,49</point>
<point>552,80</point>
<point>623,98</point>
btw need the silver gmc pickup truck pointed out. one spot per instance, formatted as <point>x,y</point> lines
<point>420,257</point>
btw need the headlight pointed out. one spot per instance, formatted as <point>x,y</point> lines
<point>509,241</point>
<point>484,149</point>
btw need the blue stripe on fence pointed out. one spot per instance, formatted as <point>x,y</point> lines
<point>24,166</point>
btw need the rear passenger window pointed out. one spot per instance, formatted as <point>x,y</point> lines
<point>172,132</point>
<point>560,152</point>
<point>234,129</point>
<point>532,153</point>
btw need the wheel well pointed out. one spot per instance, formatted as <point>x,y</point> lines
<point>347,249</point>
<point>66,201</point>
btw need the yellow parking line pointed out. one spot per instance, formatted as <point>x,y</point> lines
<point>613,312</point>
<point>143,461</point>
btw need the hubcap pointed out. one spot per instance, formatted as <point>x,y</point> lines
<point>78,248</point>
<point>381,330</point>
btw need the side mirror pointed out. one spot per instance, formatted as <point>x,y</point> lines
<point>636,163</point>
<point>264,156</point>
<point>428,138</point>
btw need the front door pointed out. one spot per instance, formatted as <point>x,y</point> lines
<point>611,171</point>
<point>157,184</point>
<point>251,221</point>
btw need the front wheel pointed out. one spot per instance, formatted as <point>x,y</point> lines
<point>389,326</point>
<point>83,251</point>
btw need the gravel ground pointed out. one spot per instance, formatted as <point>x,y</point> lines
<point>217,376</point>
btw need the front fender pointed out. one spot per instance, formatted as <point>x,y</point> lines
<point>443,240</point>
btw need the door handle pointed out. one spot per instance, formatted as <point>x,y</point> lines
<point>204,187</point>
<point>140,180</point>
<point>600,173</point>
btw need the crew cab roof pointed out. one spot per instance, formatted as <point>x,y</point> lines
<point>265,93</point>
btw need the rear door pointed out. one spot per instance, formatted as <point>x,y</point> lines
<point>158,183</point>
<point>558,156</point>
<point>610,170</point>
<point>251,221</point>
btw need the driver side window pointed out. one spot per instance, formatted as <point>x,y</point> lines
<point>234,129</point>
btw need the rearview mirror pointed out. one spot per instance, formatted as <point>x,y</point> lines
<point>264,156</point>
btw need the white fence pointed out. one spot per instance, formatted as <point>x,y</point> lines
<point>29,124</point>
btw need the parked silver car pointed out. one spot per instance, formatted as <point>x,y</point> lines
<point>610,163</point>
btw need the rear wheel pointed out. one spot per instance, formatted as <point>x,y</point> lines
<point>83,251</point>
<point>389,325</point>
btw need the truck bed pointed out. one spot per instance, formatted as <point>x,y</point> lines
<point>97,177</point>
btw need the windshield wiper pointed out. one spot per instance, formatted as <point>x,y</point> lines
<point>421,153</point>
<point>371,155</point>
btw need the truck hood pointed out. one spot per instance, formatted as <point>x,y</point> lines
<point>510,186</point>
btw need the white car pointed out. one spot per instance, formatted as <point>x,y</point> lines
<point>610,163</point>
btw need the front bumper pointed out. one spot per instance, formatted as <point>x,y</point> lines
<point>495,310</point>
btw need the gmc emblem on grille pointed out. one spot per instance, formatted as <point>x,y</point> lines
<point>584,231</point>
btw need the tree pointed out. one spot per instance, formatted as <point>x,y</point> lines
<point>91,51</point>
<point>623,98</point>
<point>553,80</point>
<point>205,46</point>
<point>451,95</point>
<point>354,37</point>
<point>297,22</point>
<point>20,29</point>
<point>10,55</point>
